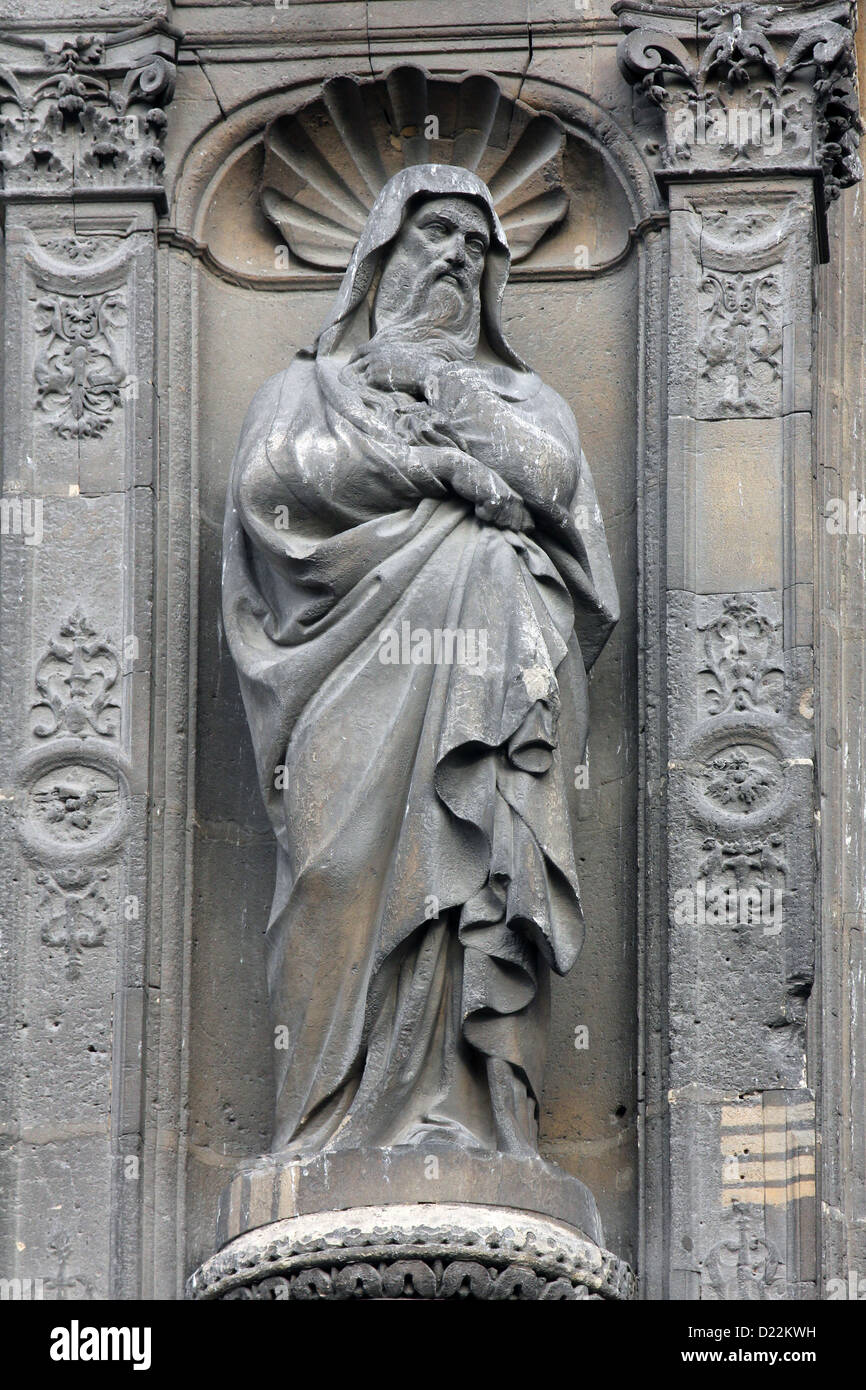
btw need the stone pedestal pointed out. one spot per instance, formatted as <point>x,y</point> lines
<point>409,1223</point>
<point>414,1250</point>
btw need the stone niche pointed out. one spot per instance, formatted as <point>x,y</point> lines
<point>179,201</point>
<point>279,195</point>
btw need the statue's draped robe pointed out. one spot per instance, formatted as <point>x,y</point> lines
<point>426,879</point>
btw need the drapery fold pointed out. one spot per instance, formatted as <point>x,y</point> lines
<point>426,879</point>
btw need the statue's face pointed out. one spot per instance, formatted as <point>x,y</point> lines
<point>435,266</point>
<point>450,236</point>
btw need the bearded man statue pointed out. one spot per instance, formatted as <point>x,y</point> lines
<point>408,477</point>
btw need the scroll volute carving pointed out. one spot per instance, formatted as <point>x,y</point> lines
<point>86,112</point>
<point>749,86</point>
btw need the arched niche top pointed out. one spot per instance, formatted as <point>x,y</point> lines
<point>288,194</point>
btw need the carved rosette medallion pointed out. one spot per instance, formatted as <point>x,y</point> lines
<point>74,803</point>
<point>742,779</point>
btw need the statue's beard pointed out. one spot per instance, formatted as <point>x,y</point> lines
<point>438,307</point>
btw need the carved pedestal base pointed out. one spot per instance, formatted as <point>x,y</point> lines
<point>274,1188</point>
<point>414,1250</point>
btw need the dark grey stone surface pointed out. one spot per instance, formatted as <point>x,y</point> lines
<point>276,1189</point>
<point>415,582</point>
<point>748,209</point>
<point>137,862</point>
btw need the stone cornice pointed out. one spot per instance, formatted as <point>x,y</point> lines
<point>84,114</point>
<point>748,88</point>
<point>689,21</point>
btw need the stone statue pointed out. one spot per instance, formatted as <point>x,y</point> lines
<point>416,581</point>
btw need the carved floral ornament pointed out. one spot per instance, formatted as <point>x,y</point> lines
<point>74,799</point>
<point>742,779</point>
<point>86,110</point>
<point>743,669</point>
<point>74,802</point>
<point>75,680</point>
<point>79,372</point>
<point>761,85</point>
<point>737,781</point>
<point>74,911</point>
<point>746,1266</point>
<point>740,343</point>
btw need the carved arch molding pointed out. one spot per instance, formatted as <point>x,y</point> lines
<point>291,184</point>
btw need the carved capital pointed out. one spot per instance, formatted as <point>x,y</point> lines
<point>747,89</point>
<point>84,114</point>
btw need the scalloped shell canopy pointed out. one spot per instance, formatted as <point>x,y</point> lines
<point>325,165</point>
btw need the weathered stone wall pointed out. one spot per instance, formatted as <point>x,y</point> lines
<point>146,296</point>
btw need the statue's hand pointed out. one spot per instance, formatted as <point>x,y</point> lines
<point>494,501</point>
<point>394,366</point>
<point>505,510</point>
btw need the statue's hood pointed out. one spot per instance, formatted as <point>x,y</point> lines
<point>342,332</point>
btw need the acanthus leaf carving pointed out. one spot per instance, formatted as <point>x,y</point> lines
<point>75,679</point>
<point>741,63</point>
<point>74,912</point>
<point>95,119</point>
<point>733,53</point>
<point>78,369</point>
<point>657,63</point>
<point>743,670</point>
